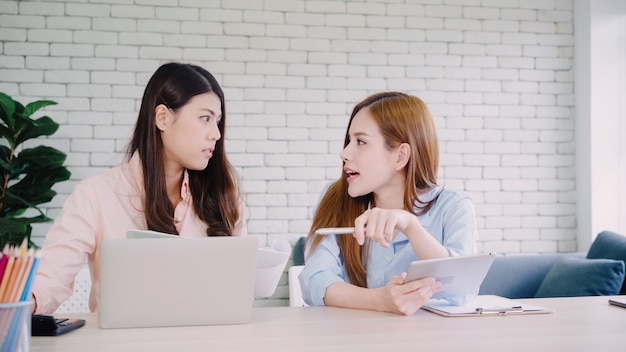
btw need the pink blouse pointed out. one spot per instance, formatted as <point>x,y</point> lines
<point>101,207</point>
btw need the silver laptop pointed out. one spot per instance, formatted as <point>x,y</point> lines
<point>152,282</point>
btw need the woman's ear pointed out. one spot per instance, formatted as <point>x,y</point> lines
<point>403,154</point>
<point>161,117</point>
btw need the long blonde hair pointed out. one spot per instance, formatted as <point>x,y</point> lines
<point>401,118</point>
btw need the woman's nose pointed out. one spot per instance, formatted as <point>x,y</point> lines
<point>214,132</point>
<point>344,155</point>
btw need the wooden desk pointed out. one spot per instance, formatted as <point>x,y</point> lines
<point>578,324</point>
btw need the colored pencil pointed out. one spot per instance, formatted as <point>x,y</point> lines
<point>18,266</point>
<point>8,275</point>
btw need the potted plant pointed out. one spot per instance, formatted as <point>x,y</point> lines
<point>26,174</point>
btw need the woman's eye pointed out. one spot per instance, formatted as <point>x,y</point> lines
<point>360,141</point>
<point>207,118</point>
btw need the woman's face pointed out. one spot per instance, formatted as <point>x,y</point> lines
<point>189,135</point>
<point>369,165</point>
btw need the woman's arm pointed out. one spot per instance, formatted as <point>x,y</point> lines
<point>70,239</point>
<point>396,297</point>
<point>324,282</point>
<point>453,222</point>
<point>382,225</point>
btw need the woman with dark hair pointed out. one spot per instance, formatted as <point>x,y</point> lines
<point>177,180</point>
<point>389,193</point>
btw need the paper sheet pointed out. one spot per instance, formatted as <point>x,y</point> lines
<point>270,264</point>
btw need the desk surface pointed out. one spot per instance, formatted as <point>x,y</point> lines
<point>578,324</point>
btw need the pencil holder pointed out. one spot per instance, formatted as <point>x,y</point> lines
<point>15,321</point>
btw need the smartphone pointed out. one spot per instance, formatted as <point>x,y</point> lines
<point>48,325</point>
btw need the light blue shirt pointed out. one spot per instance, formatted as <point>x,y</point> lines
<point>451,220</point>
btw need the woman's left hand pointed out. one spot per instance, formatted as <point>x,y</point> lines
<point>381,225</point>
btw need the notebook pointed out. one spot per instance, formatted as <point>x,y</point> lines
<point>459,276</point>
<point>152,282</point>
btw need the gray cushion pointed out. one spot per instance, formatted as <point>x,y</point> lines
<point>570,277</point>
<point>609,245</point>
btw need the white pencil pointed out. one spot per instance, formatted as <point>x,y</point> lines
<point>335,231</point>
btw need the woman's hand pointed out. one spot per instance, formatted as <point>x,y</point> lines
<point>382,225</point>
<point>406,298</point>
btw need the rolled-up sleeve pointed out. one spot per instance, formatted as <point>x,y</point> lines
<point>323,267</point>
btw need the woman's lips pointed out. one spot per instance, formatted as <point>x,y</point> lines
<point>351,175</point>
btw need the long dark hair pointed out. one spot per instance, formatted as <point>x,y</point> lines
<point>214,190</point>
<point>401,118</point>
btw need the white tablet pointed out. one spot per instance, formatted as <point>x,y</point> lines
<point>460,276</point>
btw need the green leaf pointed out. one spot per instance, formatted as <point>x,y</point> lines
<point>45,177</point>
<point>21,125</point>
<point>13,231</point>
<point>38,158</point>
<point>32,190</point>
<point>5,155</point>
<point>37,187</point>
<point>32,173</point>
<point>43,126</point>
<point>7,134</point>
<point>8,108</point>
<point>14,206</point>
<point>10,225</point>
<point>36,198</point>
<point>36,105</point>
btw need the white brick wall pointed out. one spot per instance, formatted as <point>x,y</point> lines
<point>497,76</point>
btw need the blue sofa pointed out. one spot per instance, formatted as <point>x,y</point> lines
<point>600,271</point>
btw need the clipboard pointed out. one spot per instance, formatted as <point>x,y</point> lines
<point>484,305</point>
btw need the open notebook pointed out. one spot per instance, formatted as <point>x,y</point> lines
<point>164,281</point>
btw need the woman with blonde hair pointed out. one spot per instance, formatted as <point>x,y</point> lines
<point>389,193</point>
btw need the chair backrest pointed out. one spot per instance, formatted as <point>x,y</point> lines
<point>79,301</point>
<point>295,292</point>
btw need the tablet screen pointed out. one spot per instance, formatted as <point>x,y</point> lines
<point>459,276</point>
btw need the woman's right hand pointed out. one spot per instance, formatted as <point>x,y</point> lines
<point>406,298</point>
<point>34,303</point>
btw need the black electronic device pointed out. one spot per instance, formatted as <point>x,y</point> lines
<point>48,325</point>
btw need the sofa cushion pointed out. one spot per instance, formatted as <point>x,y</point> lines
<point>609,245</point>
<point>570,277</point>
<point>519,276</point>
<point>298,251</point>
